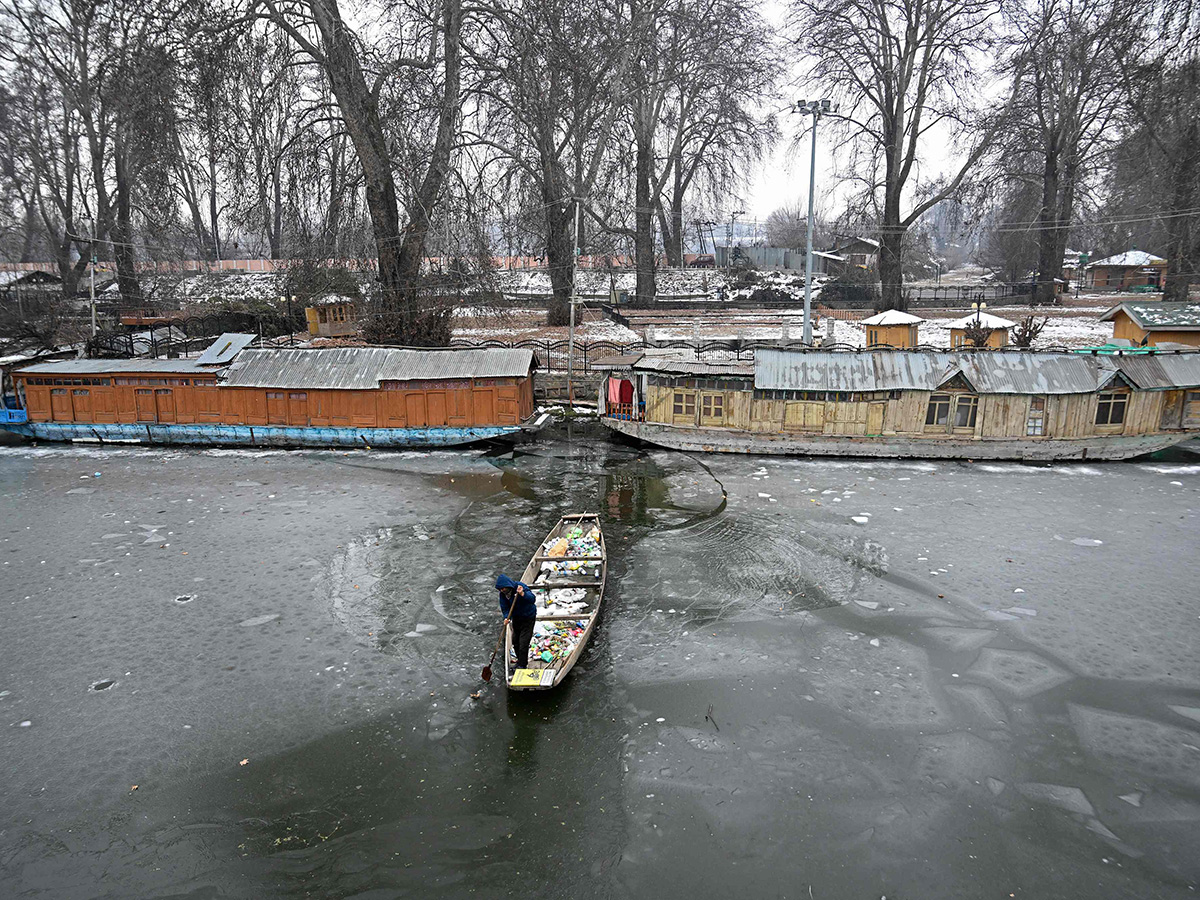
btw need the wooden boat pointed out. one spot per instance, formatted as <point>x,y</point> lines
<point>548,572</point>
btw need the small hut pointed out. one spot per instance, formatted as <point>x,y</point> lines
<point>892,328</point>
<point>332,316</point>
<point>999,327</point>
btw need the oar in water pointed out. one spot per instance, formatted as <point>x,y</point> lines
<point>487,670</point>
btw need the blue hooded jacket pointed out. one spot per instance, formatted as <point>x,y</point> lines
<point>526,606</point>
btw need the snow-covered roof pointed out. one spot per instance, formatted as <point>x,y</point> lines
<point>893,317</point>
<point>828,255</point>
<point>985,320</point>
<point>33,276</point>
<point>1159,315</point>
<point>334,300</point>
<point>1130,258</point>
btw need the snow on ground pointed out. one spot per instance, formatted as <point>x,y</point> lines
<point>518,323</point>
<point>1075,330</point>
<point>210,287</point>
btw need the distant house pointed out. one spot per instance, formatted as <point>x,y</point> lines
<point>1133,268</point>
<point>18,287</point>
<point>998,337</point>
<point>861,252</point>
<point>892,328</point>
<point>828,263</point>
<point>332,316</point>
<point>1154,323</point>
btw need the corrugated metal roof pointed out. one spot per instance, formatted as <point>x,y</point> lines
<point>352,368</point>
<point>887,370</point>
<point>1175,316</point>
<point>608,363</point>
<point>668,365</point>
<point>225,348</point>
<point>1161,372</point>
<point>113,366</point>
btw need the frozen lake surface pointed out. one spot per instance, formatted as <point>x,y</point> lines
<point>248,674</point>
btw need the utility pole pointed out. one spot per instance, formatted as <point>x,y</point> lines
<point>814,108</point>
<point>92,270</point>
<point>571,331</point>
<point>729,255</point>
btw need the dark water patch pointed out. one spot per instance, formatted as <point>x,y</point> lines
<point>103,685</point>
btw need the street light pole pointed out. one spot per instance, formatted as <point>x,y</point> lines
<point>813,108</point>
<point>806,339</point>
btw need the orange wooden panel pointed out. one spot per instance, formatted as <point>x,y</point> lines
<point>414,408</point>
<point>143,399</point>
<point>483,406</point>
<point>435,408</point>
<point>104,404</point>
<point>276,407</point>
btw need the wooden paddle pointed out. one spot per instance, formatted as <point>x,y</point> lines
<point>487,670</point>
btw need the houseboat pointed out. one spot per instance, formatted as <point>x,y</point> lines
<point>233,395</point>
<point>981,404</point>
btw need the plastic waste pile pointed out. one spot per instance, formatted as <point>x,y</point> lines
<point>555,641</point>
<point>576,542</point>
<point>562,602</point>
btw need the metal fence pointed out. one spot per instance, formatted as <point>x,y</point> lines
<point>186,334</point>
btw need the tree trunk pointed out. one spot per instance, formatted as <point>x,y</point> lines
<point>275,208</point>
<point>122,232</point>
<point>1180,240</point>
<point>559,247</point>
<point>213,186</point>
<point>643,243</point>
<point>29,233</point>
<point>412,250</point>
<point>891,232</point>
<point>1048,228</point>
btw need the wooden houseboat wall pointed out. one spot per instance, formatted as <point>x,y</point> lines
<point>1146,400</point>
<point>180,393</point>
<point>719,404</point>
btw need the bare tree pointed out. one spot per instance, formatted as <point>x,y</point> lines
<point>358,79</point>
<point>905,74</point>
<point>549,78</point>
<point>1070,104</point>
<point>787,226</point>
<point>723,65</point>
<point>1027,331</point>
<point>1161,78</point>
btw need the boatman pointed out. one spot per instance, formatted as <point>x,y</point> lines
<point>517,597</point>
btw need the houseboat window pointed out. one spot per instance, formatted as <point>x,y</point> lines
<point>160,391</point>
<point>1035,424</point>
<point>712,406</point>
<point>274,395</point>
<point>684,404</point>
<point>81,392</point>
<point>58,391</point>
<point>939,410</point>
<point>1111,408</point>
<point>965,410</point>
<point>300,395</point>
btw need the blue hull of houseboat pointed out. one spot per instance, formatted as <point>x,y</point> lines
<point>258,435</point>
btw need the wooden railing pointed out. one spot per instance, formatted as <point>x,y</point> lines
<point>630,412</point>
